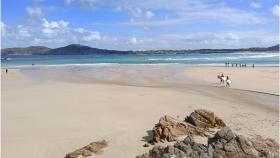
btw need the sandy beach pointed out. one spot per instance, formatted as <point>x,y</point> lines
<point>50,111</point>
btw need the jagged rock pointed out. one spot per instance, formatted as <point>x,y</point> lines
<point>146,155</point>
<point>169,128</point>
<point>225,144</point>
<point>92,148</point>
<point>266,147</point>
<point>185,148</point>
<point>205,119</point>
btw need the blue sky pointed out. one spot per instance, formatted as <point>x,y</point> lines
<point>140,25</point>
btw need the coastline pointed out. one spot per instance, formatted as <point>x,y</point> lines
<point>108,64</point>
<point>81,105</point>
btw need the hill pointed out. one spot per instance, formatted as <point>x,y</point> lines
<point>77,49</point>
<point>25,51</point>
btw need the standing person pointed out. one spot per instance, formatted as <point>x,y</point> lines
<point>253,65</point>
<point>6,71</point>
<point>228,82</point>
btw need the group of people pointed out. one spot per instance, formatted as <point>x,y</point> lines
<point>224,80</point>
<point>227,64</point>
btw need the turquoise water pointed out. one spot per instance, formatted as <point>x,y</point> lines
<point>259,59</point>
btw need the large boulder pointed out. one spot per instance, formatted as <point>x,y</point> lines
<point>169,128</point>
<point>205,119</point>
<point>197,123</point>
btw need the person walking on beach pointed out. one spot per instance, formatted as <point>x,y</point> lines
<point>6,71</point>
<point>253,65</point>
<point>228,82</point>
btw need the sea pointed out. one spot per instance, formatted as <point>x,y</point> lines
<point>211,59</point>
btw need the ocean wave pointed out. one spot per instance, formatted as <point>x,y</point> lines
<point>57,65</point>
<point>178,59</point>
<point>240,56</point>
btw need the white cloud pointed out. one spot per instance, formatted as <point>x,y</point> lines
<point>137,12</point>
<point>47,33</point>
<point>68,2</point>
<point>149,14</point>
<point>61,34</point>
<point>232,37</point>
<point>41,31</point>
<point>255,5</point>
<point>184,12</point>
<point>88,4</point>
<point>23,31</point>
<point>3,29</point>
<point>92,36</point>
<point>133,40</point>
<point>275,10</point>
<point>54,27</point>
<point>36,11</point>
<point>80,30</point>
<point>146,28</point>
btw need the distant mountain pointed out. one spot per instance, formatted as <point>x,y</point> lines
<point>25,51</point>
<point>77,49</point>
<point>274,48</point>
<point>209,51</point>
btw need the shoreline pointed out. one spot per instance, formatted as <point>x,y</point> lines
<point>144,64</point>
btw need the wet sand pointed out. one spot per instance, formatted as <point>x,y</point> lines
<point>50,111</point>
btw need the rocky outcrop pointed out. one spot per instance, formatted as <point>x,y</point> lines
<point>205,119</point>
<point>224,144</point>
<point>92,148</point>
<point>185,148</point>
<point>197,123</point>
<point>266,147</point>
<point>169,128</point>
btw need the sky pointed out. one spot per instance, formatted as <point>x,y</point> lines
<point>140,24</point>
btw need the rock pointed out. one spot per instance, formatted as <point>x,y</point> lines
<point>169,129</point>
<point>146,155</point>
<point>185,148</point>
<point>205,119</point>
<point>146,145</point>
<point>266,147</point>
<point>225,144</point>
<point>92,148</point>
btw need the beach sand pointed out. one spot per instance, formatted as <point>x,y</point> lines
<point>53,114</point>
<point>260,79</point>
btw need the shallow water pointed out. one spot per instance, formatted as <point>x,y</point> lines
<point>157,76</point>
